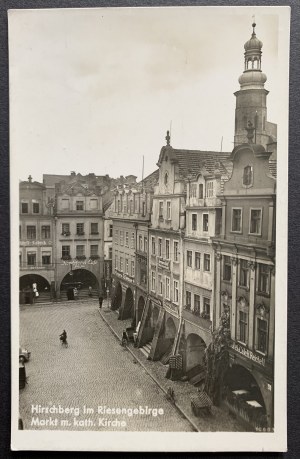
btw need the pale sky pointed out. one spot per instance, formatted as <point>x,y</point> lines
<point>93,90</point>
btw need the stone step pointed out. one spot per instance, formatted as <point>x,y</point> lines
<point>146,349</point>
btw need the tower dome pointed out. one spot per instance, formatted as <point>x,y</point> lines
<point>252,76</point>
<point>254,43</point>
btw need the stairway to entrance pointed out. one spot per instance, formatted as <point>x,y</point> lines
<point>146,349</point>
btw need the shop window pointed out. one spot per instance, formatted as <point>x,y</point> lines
<point>175,250</point>
<point>243,327</point>
<point>206,262</point>
<point>248,176</point>
<point>35,207</point>
<point>188,300</point>
<point>31,232</point>
<point>167,249</point>
<point>46,232</point>
<point>194,222</point>
<point>236,222</point>
<point>176,292</point>
<point>244,273</point>
<point>153,245</point>
<point>189,258</point>
<point>197,305</point>
<point>79,205</point>
<point>94,228</point>
<point>197,260</point>
<point>24,207</point>
<point>255,221</point>
<point>200,190</point>
<point>227,268</point>
<point>80,229</point>
<point>262,334</point>
<point>263,278</point>
<point>65,229</point>
<point>205,222</point>
<point>31,259</point>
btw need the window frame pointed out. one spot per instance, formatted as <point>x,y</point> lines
<point>34,204</point>
<point>167,249</point>
<point>207,222</point>
<point>194,221</point>
<point>205,255</point>
<point>168,289</point>
<point>97,227</point>
<point>46,229</point>
<point>176,250</point>
<point>250,184</point>
<point>77,205</point>
<point>267,275</point>
<point>175,291</point>
<point>250,220</point>
<point>27,232</point>
<point>189,258</point>
<point>153,245</point>
<point>241,220</point>
<point>197,258</point>
<point>27,204</point>
<point>245,322</point>
<point>226,263</point>
<point>169,210</point>
<point>160,209</point>
<point>257,330</point>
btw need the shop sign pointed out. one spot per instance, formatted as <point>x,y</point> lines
<point>78,264</point>
<point>248,354</point>
<point>35,243</point>
<point>165,264</point>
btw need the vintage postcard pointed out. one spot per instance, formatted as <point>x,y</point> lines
<point>149,152</point>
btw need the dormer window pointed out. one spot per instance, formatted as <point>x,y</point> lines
<point>166,178</point>
<point>248,176</point>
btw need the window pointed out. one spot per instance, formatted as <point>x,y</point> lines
<point>176,292</point>
<point>140,243</point>
<point>144,209</point>
<point>168,210</point>
<point>124,208</point>
<point>263,278</point>
<point>145,244</point>
<point>168,288</point>
<point>161,209</point>
<point>175,250</point>
<point>132,240</point>
<point>93,203</point>
<point>248,176</point>
<point>205,222</point>
<point>153,245</point>
<point>65,204</point>
<point>80,229</point>
<point>206,262</point>
<point>116,236</point>
<point>189,258</point>
<point>110,253</point>
<point>244,273</point>
<point>46,258</point>
<point>243,327</point>
<point>167,249</point>
<point>127,239</point>
<point>194,222</point>
<point>159,247</point>
<point>166,178</point>
<point>197,260</point>
<point>31,232</point>
<point>255,221</point>
<point>131,207</point>
<point>126,266</point>
<point>160,284</point>
<point>153,281</point>
<point>24,207</point>
<point>116,261</point>
<point>119,206</point>
<point>110,230</point>
<point>209,189</point>
<point>46,232</point>
<point>79,250</point>
<point>31,259</point>
<point>20,232</point>
<point>206,308</point>
<point>65,229</point>
<point>262,333</point>
<point>94,228</point>
<point>193,190</point>
<point>79,205</point>
<point>94,250</point>
<point>227,268</point>
<point>236,222</point>
<point>121,263</point>
<point>132,269</point>
<point>188,299</point>
<point>121,237</point>
<point>35,207</point>
<point>200,190</point>
<point>197,304</point>
<point>65,251</point>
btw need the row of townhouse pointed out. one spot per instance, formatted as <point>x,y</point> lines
<point>198,246</point>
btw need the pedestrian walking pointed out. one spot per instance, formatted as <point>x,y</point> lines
<point>100,301</point>
<point>90,291</point>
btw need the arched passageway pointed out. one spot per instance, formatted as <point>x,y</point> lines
<point>29,284</point>
<point>128,304</point>
<point>81,279</point>
<point>166,344</point>
<point>195,359</point>
<point>117,297</point>
<point>141,305</point>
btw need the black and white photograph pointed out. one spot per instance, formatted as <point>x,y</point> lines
<point>149,228</point>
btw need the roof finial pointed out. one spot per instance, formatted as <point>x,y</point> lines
<point>253,25</point>
<point>168,138</point>
<point>29,179</point>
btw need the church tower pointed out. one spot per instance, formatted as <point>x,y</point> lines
<point>251,99</point>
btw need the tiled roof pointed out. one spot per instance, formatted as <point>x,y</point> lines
<point>151,180</point>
